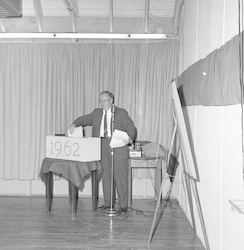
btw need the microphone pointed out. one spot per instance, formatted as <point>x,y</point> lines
<point>113,109</point>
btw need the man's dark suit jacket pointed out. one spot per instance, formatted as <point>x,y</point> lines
<point>122,122</point>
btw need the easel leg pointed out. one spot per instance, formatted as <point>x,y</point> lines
<point>161,188</point>
<point>155,213</point>
<point>188,188</point>
<point>158,179</point>
<point>199,208</point>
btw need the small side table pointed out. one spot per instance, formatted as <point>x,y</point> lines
<point>157,173</point>
<point>74,172</point>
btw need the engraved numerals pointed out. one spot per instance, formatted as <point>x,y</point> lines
<point>57,148</point>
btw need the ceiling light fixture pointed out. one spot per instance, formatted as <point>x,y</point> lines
<point>81,36</point>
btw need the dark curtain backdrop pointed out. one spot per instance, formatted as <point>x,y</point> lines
<point>217,79</point>
<point>45,86</point>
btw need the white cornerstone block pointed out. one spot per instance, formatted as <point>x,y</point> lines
<point>73,148</point>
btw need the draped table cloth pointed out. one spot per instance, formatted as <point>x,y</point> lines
<point>74,172</point>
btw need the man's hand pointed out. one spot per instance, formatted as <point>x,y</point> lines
<point>128,141</point>
<point>72,128</point>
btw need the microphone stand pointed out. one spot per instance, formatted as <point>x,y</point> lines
<point>111,211</point>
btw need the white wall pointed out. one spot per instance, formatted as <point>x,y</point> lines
<point>142,187</point>
<point>216,131</point>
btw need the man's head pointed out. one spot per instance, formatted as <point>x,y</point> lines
<point>106,100</point>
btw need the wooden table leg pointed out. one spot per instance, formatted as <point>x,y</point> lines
<point>49,190</point>
<point>73,198</point>
<point>94,190</point>
<point>70,192</point>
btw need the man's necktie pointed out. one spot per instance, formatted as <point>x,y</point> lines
<point>105,126</point>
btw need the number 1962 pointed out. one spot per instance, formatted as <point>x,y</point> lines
<point>57,148</point>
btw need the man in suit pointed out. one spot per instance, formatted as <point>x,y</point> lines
<point>101,121</point>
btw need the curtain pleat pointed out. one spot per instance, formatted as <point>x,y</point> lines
<point>45,86</point>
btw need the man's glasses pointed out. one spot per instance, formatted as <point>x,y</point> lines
<point>104,101</point>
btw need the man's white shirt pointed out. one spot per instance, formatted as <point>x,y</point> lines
<point>109,115</point>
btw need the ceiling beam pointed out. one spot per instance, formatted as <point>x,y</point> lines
<point>72,7</point>
<point>3,29</point>
<point>146,17</point>
<point>39,14</point>
<point>111,16</point>
<point>177,13</point>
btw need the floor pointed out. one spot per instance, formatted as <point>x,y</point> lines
<point>25,224</point>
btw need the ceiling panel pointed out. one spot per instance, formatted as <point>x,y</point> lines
<point>126,16</point>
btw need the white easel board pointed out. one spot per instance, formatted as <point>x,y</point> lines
<point>183,135</point>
